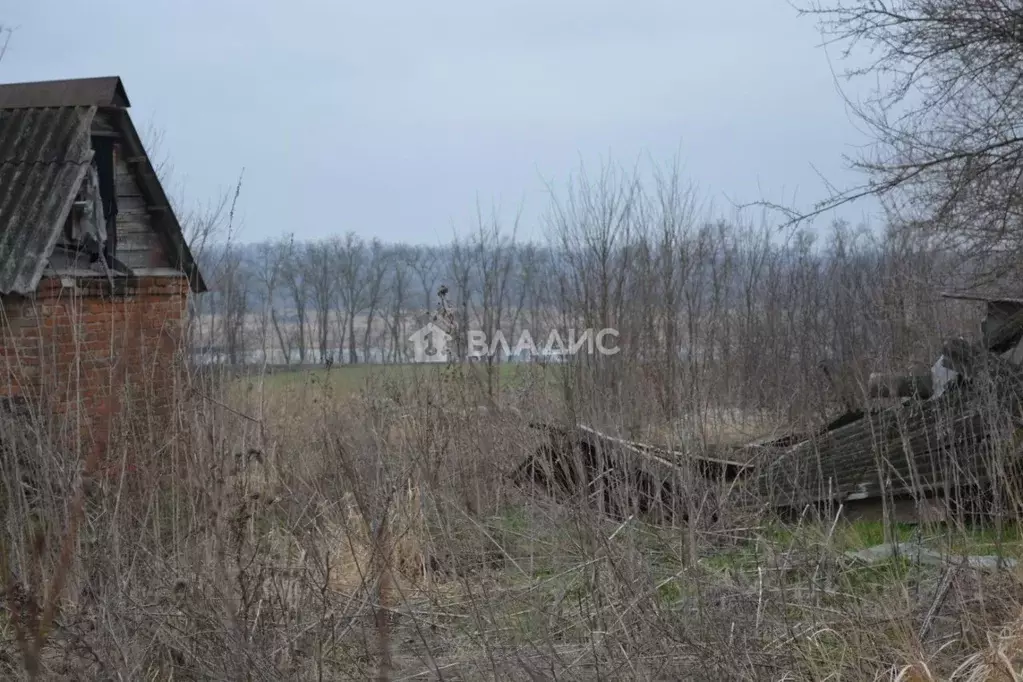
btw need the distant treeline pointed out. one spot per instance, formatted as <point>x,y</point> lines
<point>724,309</point>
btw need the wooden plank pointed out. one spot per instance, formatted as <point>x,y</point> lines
<point>914,444</point>
<point>989,297</point>
<point>143,260</point>
<point>158,271</point>
<point>135,218</point>
<point>137,242</point>
<point>126,185</point>
<point>130,202</point>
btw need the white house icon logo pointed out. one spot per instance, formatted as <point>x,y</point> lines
<point>430,344</point>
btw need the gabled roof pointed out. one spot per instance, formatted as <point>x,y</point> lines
<point>45,149</point>
<point>78,92</point>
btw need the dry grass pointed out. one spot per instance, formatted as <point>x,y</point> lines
<point>376,534</point>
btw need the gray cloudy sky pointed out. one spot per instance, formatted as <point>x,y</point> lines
<point>390,118</point>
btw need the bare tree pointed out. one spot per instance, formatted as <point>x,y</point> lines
<point>283,256</point>
<point>460,271</point>
<point>944,110</point>
<point>320,267</point>
<point>234,283</point>
<point>493,256</point>
<point>376,281</point>
<point>533,284</point>
<point>397,297</point>
<point>296,283</point>
<point>425,262</point>
<point>593,228</point>
<point>352,265</point>
<point>207,229</point>
<point>268,264</point>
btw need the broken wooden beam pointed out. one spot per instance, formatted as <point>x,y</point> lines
<point>619,476</point>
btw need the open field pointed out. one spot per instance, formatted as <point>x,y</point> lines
<point>525,385</point>
<point>306,527</point>
<point>521,383</point>
<point>348,379</point>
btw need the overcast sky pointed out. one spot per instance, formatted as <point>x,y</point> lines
<point>391,118</point>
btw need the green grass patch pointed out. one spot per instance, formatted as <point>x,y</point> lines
<point>861,534</point>
<point>740,560</point>
<point>988,540</point>
<point>672,591</point>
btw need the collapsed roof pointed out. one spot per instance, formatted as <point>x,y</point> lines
<point>959,435</point>
<point>618,476</point>
<point>953,441</point>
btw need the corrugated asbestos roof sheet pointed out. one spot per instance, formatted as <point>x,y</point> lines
<point>78,92</point>
<point>984,296</point>
<point>44,154</point>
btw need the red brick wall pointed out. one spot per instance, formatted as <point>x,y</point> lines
<point>86,356</point>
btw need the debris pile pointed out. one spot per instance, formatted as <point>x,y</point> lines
<point>947,444</point>
<point>620,477</point>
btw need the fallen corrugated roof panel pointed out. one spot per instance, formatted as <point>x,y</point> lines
<point>932,446</point>
<point>44,154</point>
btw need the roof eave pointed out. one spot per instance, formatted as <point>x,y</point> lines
<point>120,95</point>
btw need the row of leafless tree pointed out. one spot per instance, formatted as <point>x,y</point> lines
<point>723,309</point>
<point>729,310</point>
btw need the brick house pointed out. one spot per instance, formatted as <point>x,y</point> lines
<point>94,269</point>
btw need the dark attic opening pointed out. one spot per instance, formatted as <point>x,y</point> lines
<point>91,229</point>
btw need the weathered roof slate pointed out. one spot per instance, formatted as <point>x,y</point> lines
<point>44,154</point>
